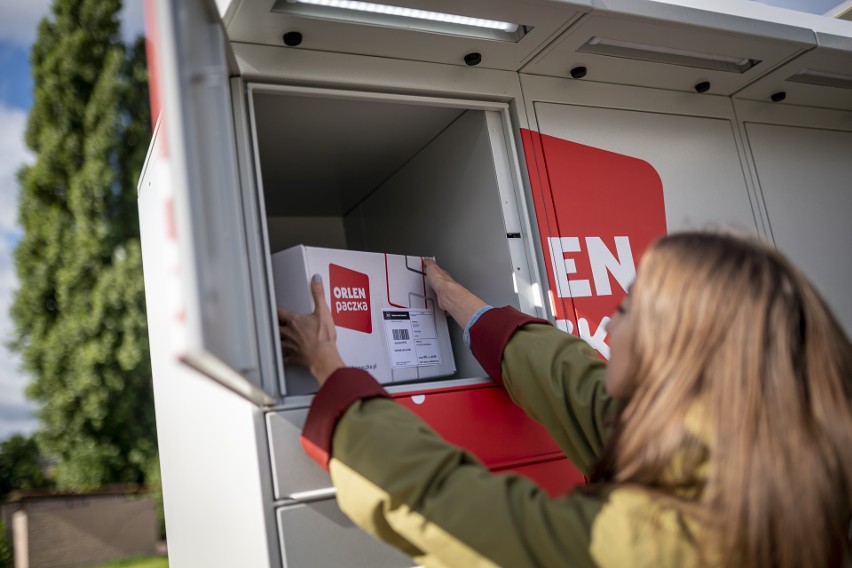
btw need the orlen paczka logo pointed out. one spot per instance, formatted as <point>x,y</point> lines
<point>350,299</point>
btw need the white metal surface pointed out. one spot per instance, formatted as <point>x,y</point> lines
<point>804,172</point>
<point>565,54</point>
<point>257,250</point>
<point>220,332</point>
<point>213,456</point>
<point>691,142</point>
<point>355,72</point>
<point>695,157</point>
<point>256,23</point>
<point>293,472</point>
<point>831,55</point>
<point>341,543</point>
<point>516,215</point>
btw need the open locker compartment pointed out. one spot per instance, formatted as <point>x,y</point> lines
<point>394,174</point>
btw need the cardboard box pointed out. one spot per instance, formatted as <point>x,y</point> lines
<point>387,317</point>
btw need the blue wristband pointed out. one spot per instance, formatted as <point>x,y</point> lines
<point>472,321</point>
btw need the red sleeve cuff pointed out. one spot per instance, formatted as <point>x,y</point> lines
<point>490,334</point>
<point>342,388</point>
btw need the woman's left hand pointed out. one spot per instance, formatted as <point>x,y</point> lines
<point>310,339</point>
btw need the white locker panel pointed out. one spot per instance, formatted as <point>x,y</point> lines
<point>294,474</point>
<point>805,175</point>
<point>319,535</point>
<point>696,158</point>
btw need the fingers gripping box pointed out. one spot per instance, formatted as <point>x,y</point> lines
<point>386,315</point>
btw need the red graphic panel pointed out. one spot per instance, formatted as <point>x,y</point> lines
<point>597,213</point>
<point>484,420</point>
<point>350,299</point>
<point>153,61</point>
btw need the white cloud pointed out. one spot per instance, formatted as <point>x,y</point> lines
<point>15,410</point>
<point>16,415</point>
<point>20,20</point>
<point>19,23</point>
<point>13,154</point>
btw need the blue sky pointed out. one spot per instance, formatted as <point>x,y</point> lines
<point>16,84</point>
<point>18,23</point>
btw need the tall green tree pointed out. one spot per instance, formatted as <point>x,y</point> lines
<point>79,311</point>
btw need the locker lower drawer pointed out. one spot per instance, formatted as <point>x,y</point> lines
<point>293,472</point>
<point>319,534</point>
<point>485,421</point>
<point>481,419</point>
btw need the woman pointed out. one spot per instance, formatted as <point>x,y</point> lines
<point>720,433</point>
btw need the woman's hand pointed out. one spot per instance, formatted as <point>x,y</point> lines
<point>310,339</point>
<point>460,302</point>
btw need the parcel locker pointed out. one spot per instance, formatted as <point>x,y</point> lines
<point>535,164</point>
<point>390,174</point>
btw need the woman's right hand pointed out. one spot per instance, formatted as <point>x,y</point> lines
<point>440,281</point>
<point>460,302</point>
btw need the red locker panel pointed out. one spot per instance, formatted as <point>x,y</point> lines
<point>484,420</point>
<point>597,212</point>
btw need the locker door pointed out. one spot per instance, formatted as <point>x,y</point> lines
<point>613,180</point>
<point>804,175</point>
<point>218,334</point>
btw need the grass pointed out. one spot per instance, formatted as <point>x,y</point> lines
<point>146,562</point>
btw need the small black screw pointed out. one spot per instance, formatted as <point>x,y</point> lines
<point>473,59</point>
<point>578,72</point>
<point>702,87</point>
<point>292,39</point>
<point>778,97</point>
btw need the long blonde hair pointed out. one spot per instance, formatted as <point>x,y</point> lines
<point>729,331</point>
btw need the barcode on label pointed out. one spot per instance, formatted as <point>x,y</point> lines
<point>400,334</point>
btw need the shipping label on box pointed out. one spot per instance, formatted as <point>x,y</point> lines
<point>387,317</point>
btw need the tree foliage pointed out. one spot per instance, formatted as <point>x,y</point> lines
<point>21,466</point>
<point>79,312</point>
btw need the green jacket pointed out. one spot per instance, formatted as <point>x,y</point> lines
<point>398,480</point>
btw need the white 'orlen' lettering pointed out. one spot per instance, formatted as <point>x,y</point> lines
<point>603,262</point>
<point>345,293</point>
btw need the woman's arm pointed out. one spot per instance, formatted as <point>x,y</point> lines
<point>398,480</point>
<point>555,377</point>
<point>457,300</point>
